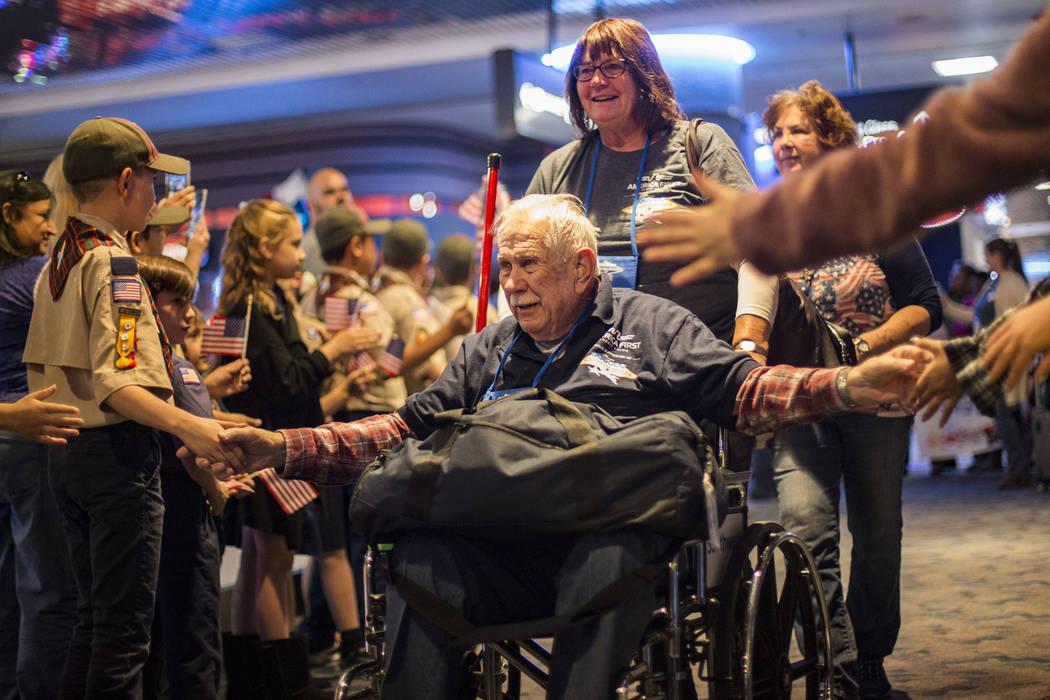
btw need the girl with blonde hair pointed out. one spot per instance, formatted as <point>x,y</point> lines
<point>263,246</point>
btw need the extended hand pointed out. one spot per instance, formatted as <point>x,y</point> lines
<point>253,448</point>
<point>202,438</point>
<point>354,340</point>
<point>937,385</point>
<point>226,380</point>
<point>699,236</point>
<point>889,377</point>
<point>34,418</point>
<point>462,321</point>
<point>1014,344</point>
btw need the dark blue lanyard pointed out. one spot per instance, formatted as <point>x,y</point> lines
<point>637,187</point>
<point>550,358</point>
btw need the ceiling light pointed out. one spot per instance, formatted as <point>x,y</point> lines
<point>695,46</point>
<point>1043,185</point>
<point>964,66</point>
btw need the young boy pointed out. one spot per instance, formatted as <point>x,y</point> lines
<point>95,336</point>
<point>186,626</point>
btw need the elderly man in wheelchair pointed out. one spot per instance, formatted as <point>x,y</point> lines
<point>630,354</point>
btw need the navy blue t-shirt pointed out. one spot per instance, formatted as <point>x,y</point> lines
<point>17,281</point>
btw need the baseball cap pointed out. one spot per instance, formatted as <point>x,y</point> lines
<point>406,243</point>
<point>337,225</point>
<point>103,146</point>
<point>168,216</point>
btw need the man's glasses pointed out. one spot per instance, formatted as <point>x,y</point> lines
<point>611,69</point>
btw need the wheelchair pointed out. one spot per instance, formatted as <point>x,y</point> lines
<point>744,613</point>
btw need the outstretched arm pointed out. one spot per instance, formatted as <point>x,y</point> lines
<point>36,419</point>
<point>772,398</point>
<point>1014,344</point>
<point>335,453</point>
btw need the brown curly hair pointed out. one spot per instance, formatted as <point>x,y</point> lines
<point>627,39</point>
<point>834,126</point>
<point>243,263</point>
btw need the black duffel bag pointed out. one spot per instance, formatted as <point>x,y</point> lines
<point>533,463</point>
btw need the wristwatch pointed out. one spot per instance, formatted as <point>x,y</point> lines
<point>862,349</point>
<point>751,346</point>
<point>843,390</point>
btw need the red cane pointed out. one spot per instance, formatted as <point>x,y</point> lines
<point>486,248</point>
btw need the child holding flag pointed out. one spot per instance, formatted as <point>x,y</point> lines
<point>263,245</point>
<point>186,624</point>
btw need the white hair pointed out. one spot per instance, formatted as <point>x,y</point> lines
<point>559,218</point>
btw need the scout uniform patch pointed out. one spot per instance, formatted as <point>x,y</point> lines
<point>126,338</point>
<point>127,289</point>
<point>189,375</point>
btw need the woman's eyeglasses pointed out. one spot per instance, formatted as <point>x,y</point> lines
<point>611,69</point>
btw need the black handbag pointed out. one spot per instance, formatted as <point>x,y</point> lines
<point>533,463</point>
<point>802,337</point>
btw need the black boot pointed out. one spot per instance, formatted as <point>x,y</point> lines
<point>286,668</point>
<point>241,656</point>
<point>351,647</point>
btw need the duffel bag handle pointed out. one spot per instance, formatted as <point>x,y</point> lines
<point>577,430</point>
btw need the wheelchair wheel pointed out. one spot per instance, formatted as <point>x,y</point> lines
<point>362,681</point>
<point>753,653</point>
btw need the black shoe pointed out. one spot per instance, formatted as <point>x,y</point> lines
<point>871,677</point>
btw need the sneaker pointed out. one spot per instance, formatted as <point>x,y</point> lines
<point>1014,482</point>
<point>871,677</point>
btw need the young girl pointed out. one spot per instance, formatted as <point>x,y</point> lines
<point>263,247</point>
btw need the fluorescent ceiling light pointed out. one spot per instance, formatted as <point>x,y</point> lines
<point>964,66</point>
<point>681,46</point>
<point>1043,185</point>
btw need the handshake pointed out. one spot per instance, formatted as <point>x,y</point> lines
<point>238,449</point>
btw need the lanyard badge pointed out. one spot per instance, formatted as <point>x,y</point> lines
<point>623,269</point>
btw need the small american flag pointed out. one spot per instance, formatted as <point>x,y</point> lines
<point>224,336</point>
<point>290,494</point>
<point>361,360</point>
<point>127,290</point>
<point>392,358</point>
<point>340,313</point>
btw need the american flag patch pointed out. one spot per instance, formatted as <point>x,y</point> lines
<point>127,290</point>
<point>189,375</point>
<point>290,494</point>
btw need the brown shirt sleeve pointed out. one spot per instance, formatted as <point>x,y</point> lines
<point>988,137</point>
<point>112,324</point>
<point>72,341</point>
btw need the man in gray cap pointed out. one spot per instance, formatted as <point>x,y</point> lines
<point>95,336</point>
<point>404,278</point>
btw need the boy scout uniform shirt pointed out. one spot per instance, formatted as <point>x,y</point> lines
<point>412,321</point>
<point>384,395</point>
<point>73,340</point>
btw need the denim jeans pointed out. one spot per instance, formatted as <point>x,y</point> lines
<point>185,631</point>
<point>1016,437</point>
<point>868,456</point>
<point>38,594</point>
<point>107,483</point>
<point>500,583</point>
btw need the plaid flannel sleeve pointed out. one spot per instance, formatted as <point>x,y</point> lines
<point>337,453</point>
<point>964,355</point>
<point>772,398</point>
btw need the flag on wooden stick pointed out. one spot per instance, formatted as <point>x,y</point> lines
<point>225,335</point>
<point>290,494</point>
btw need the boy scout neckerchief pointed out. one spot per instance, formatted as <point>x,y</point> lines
<point>78,238</point>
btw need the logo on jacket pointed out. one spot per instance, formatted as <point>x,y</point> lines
<point>604,367</point>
